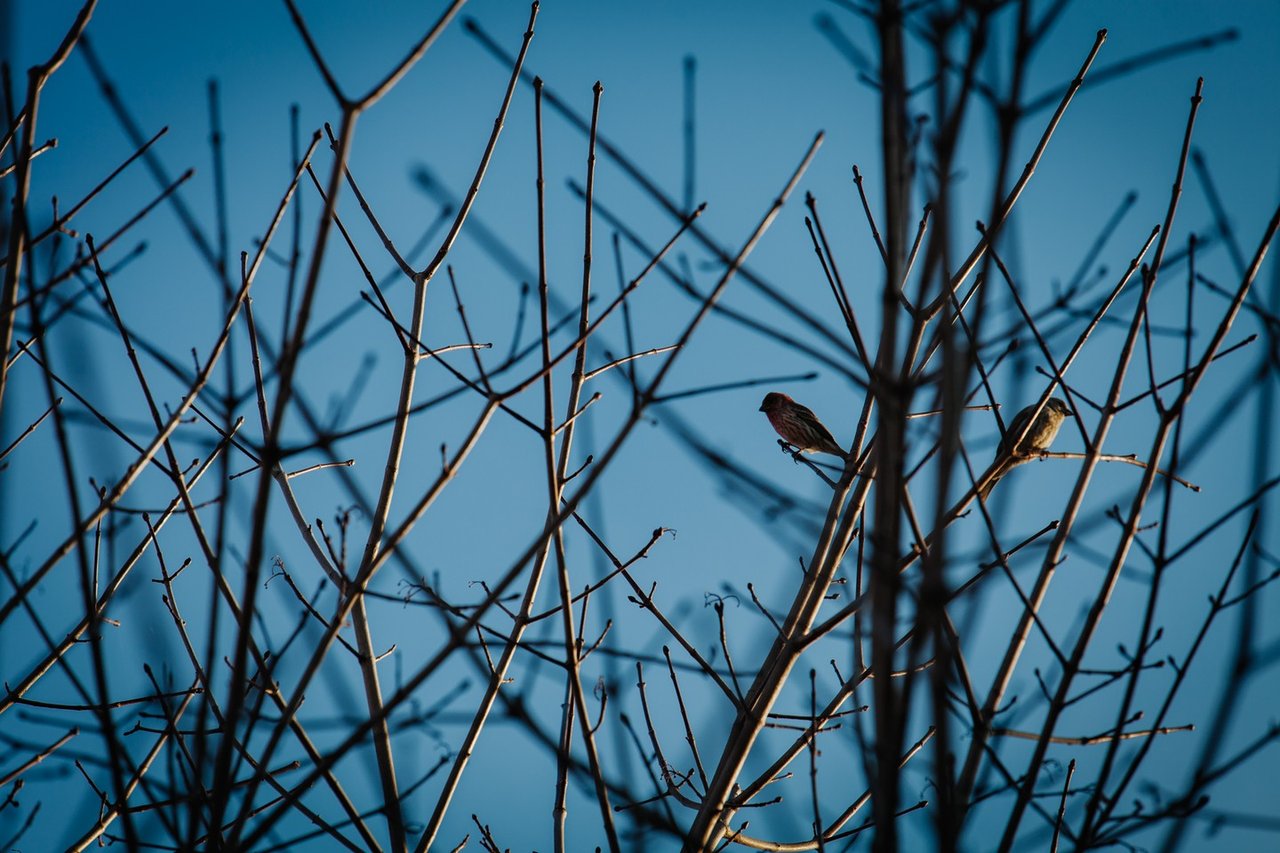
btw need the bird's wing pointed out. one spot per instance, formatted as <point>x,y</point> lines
<point>1015,429</point>
<point>818,425</point>
<point>804,410</point>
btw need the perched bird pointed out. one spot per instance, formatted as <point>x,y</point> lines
<point>798,425</point>
<point>1036,441</point>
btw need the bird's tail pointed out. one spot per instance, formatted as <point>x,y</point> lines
<point>985,491</point>
<point>997,470</point>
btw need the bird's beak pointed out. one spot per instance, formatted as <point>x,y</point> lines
<point>761,409</point>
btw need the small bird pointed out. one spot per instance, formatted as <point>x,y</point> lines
<point>1037,440</point>
<point>799,426</point>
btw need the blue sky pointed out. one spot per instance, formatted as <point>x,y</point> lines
<point>767,81</point>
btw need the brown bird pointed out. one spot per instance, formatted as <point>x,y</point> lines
<point>798,425</point>
<point>1037,440</point>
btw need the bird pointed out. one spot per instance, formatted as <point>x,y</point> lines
<point>1036,441</point>
<point>798,425</point>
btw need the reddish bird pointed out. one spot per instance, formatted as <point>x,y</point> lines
<point>799,426</point>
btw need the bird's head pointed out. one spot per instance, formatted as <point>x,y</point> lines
<point>773,400</point>
<point>1058,406</point>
